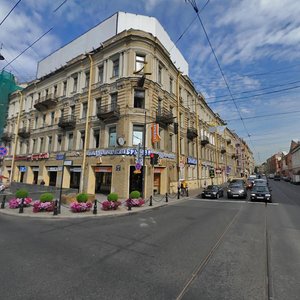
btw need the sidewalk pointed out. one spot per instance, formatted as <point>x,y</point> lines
<point>157,201</point>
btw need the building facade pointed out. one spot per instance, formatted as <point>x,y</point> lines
<point>93,123</point>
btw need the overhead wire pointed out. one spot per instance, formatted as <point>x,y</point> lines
<point>10,12</point>
<point>194,5</point>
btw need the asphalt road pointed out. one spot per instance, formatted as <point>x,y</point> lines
<point>193,250</point>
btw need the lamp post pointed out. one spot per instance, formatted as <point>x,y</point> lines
<point>144,156</point>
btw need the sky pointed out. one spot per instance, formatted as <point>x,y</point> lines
<point>256,44</point>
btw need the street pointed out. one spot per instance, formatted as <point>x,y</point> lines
<point>197,249</point>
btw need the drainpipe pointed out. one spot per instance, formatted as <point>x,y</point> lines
<point>178,134</point>
<point>16,136</point>
<point>87,132</point>
<point>197,144</point>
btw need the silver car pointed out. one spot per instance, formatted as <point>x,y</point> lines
<point>236,190</point>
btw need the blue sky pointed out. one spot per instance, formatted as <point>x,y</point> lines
<point>257,43</point>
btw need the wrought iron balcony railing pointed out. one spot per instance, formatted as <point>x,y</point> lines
<point>191,133</point>
<point>67,123</point>
<point>164,117</point>
<point>204,140</point>
<point>24,133</point>
<point>46,102</point>
<point>6,136</point>
<point>108,113</point>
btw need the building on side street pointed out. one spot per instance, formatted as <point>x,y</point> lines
<point>95,115</point>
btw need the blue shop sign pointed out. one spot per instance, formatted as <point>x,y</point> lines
<point>22,169</point>
<point>191,160</point>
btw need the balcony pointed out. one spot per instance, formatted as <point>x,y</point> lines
<point>24,133</point>
<point>223,150</point>
<point>67,123</point>
<point>191,133</point>
<point>164,118</point>
<point>108,113</point>
<point>228,141</point>
<point>6,136</point>
<point>204,140</point>
<point>46,102</point>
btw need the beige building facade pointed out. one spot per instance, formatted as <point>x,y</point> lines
<point>93,124</point>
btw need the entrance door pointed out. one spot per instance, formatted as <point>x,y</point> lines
<point>103,182</point>
<point>136,180</point>
<point>156,188</point>
<point>35,177</point>
<point>52,178</point>
<point>75,180</point>
<point>22,177</point>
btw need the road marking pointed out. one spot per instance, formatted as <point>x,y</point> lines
<point>212,200</point>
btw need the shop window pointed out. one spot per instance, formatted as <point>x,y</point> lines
<point>139,98</point>
<point>112,139</point>
<point>137,135</point>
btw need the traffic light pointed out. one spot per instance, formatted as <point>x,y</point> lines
<point>154,157</point>
<point>211,173</point>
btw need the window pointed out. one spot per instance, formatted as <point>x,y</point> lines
<point>112,137</point>
<point>87,79</point>
<point>100,74</point>
<point>159,77</point>
<point>55,90</point>
<point>160,106</point>
<point>33,150</point>
<point>44,121</point>
<point>182,146</point>
<point>171,85</point>
<point>137,136</point>
<point>70,141</point>
<point>49,143</point>
<point>75,83</point>
<point>64,88</point>
<point>114,100</point>
<point>52,118</point>
<point>139,98</point>
<point>41,144</point>
<point>98,105</point>
<point>59,139</point>
<point>115,71</point>
<point>84,110</point>
<point>72,110</point>
<point>96,137</point>
<point>140,63</point>
<point>82,140</point>
<point>47,93</point>
<point>36,122</point>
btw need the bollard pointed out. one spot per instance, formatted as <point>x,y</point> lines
<point>178,193</point>
<point>21,208</point>
<point>187,191</point>
<point>95,207</point>
<point>129,204</point>
<point>3,201</point>
<point>167,200</point>
<point>150,203</point>
<point>55,210</point>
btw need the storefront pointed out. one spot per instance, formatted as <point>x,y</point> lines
<point>35,171</point>
<point>52,175</point>
<point>22,171</point>
<point>157,180</point>
<point>136,179</point>
<point>103,177</point>
<point>75,174</point>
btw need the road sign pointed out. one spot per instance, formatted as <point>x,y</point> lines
<point>3,151</point>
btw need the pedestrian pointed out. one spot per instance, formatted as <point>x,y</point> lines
<point>42,182</point>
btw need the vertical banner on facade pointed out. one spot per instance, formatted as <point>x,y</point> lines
<point>155,133</point>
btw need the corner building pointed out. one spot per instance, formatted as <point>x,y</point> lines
<point>95,114</point>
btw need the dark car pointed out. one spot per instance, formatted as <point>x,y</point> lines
<point>212,191</point>
<point>236,190</point>
<point>261,193</point>
<point>277,177</point>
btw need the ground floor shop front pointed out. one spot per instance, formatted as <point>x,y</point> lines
<point>109,171</point>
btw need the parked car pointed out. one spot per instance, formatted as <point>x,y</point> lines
<point>236,190</point>
<point>277,177</point>
<point>271,176</point>
<point>261,193</point>
<point>212,191</point>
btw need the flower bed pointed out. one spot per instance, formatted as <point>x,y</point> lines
<point>135,202</point>
<point>108,205</point>
<point>15,203</point>
<point>39,206</point>
<point>80,206</point>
